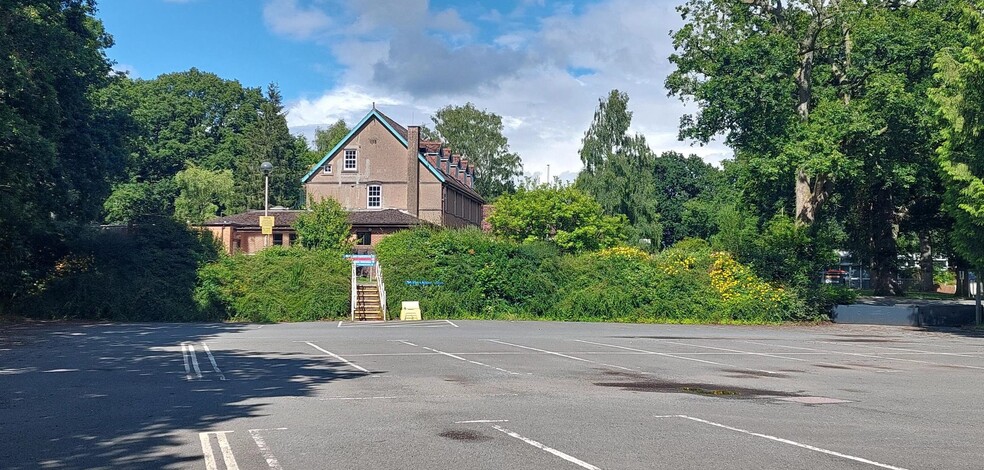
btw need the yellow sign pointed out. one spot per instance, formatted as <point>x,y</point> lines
<point>266,224</point>
<point>410,311</point>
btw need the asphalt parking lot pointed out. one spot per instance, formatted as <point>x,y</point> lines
<point>468,394</point>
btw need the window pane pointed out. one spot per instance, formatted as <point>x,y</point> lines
<point>350,159</point>
<point>375,196</point>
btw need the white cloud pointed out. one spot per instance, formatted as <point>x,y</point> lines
<point>287,18</point>
<point>128,69</point>
<point>395,58</point>
<point>344,103</point>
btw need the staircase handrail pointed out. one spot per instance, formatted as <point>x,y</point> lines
<point>381,287</point>
<point>354,292</point>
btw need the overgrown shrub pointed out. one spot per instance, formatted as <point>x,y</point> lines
<point>145,272</point>
<point>470,274</point>
<point>467,273</point>
<point>276,284</point>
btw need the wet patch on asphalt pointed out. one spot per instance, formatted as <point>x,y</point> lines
<point>704,389</point>
<point>465,435</point>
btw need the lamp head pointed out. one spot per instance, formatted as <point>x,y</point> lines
<point>266,168</point>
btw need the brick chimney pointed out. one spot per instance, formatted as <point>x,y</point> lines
<point>445,157</point>
<point>463,164</point>
<point>413,171</point>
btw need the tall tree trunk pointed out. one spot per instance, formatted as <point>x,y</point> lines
<point>884,250</point>
<point>926,271</point>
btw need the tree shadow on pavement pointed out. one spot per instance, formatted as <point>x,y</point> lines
<point>119,395</point>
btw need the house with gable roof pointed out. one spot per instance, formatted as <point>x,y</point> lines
<point>385,176</point>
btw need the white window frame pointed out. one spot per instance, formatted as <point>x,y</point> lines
<point>354,161</point>
<point>327,169</point>
<point>378,196</point>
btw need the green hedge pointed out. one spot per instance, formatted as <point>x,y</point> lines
<point>483,277</point>
<point>147,272</point>
<point>276,284</point>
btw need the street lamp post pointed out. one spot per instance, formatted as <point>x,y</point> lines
<point>266,168</point>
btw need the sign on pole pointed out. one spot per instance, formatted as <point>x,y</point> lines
<point>266,224</point>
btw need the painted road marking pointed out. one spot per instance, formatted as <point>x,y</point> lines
<point>786,441</point>
<point>451,323</point>
<point>336,356</point>
<point>870,356</point>
<point>575,358</point>
<point>551,450</point>
<point>460,358</point>
<point>756,353</point>
<point>227,457</point>
<point>908,350</point>
<point>483,421</point>
<point>191,361</point>
<point>264,449</point>
<point>188,352</point>
<point>211,358</point>
<point>394,397</point>
<point>678,357</point>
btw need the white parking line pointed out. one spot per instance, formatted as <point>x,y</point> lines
<point>776,356</point>
<point>483,421</point>
<point>414,397</point>
<point>575,358</point>
<point>227,457</point>
<point>679,357</point>
<point>336,356</point>
<point>870,356</point>
<point>786,441</point>
<point>907,350</point>
<point>460,358</point>
<point>264,449</point>
<point>451,323</point>
<point>188,352</point>
<point>211,358</point>
<point>540,446</point>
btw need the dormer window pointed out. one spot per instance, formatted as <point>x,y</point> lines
<point>350,160</point>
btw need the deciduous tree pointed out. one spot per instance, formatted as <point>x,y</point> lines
<point>202,194</point>
<point>477,135</point>
<point>960,101</point>
<point>324,227</point>
<point>561,214</point>
<point>59,143</point>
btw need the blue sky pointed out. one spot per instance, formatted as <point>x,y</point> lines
<point>541,65</point>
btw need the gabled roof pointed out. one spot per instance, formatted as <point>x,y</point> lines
<point>397,130</point>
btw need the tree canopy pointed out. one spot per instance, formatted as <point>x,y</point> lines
<point>825,105</point>
<point>477,135</point>
<point>199,120</point>
<point>626,177</point>
<point>324,227</point>
<point>560,214</point>
<point>59,141</point>
<point>960,99</point>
